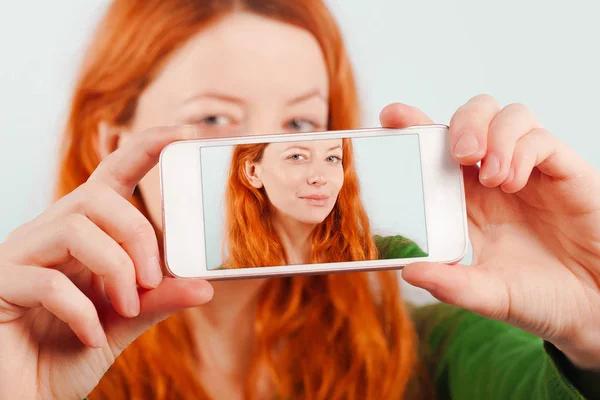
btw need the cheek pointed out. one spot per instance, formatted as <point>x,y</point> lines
<point>280,185</point>
<point>149,187</point>
<point>338,180</point>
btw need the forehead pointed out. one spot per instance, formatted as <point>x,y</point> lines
<point>247,56</point>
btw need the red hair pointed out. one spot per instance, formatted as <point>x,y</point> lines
<point>337,336</point>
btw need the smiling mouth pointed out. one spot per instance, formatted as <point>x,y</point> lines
<point>316,199</point>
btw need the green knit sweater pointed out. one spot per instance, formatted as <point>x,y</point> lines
<point>472,357</point>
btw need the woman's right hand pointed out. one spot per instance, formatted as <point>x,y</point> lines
<point>69,301</point>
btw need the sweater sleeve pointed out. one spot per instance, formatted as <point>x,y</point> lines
<point>472,357</point>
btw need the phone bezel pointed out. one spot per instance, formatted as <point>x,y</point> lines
<point>183,222</point>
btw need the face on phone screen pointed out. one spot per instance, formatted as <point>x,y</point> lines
<point>313,201</point>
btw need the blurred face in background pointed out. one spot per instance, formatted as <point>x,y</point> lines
<point>245,74</point>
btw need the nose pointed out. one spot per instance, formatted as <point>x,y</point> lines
<point>317,180</point>
<point>316,177</point>
<point>262,124</point>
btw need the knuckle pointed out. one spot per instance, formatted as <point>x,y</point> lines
<point>541,134</point>
<point>121,263</point>
<point>83,195</point>
<point>467,119</point>
<point>53,282</point>
<point>73,224</point>
<point>538,138</point>
<point>484,97</point>
<point>141,230</point>
<point>147,139</point>
<point>518,108</point>
<point>16,232</point>
<point>483,101</point>
<point>94,191</point>
<point>467,113</point>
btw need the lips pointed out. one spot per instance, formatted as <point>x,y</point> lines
<point>316,199</point>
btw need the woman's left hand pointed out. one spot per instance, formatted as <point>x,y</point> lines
<point>534,222</point>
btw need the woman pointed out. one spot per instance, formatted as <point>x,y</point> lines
<point>231,67</point>
<point>301,202</point>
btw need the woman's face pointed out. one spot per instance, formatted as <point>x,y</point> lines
<point>244,75</point>
<point>302,179</point>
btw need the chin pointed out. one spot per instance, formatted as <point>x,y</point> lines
<point>311,221</point>
<point>313,218</point>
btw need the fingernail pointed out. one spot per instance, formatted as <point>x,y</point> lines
<point>134,304</point>
<point>206,293</point>
<point>467,145</point>
<point>491,167</point>
<point>155,272</point>
<point>511,176</point>
<point>99,340</point>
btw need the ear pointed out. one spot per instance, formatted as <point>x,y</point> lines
<point>252,173</point>
<point>109,139</point>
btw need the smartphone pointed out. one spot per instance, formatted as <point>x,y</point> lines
<point>311,203</point>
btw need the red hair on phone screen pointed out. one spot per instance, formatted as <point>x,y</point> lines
<point>320,337</point>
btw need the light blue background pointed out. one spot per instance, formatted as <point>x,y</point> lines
<point>389,172</point>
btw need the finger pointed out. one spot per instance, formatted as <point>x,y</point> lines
<point>397,115</point>
<point>469,127</point>
<point>25,286</point>
<point>171,296</point>
<point>468,287</point>
<point>128,227</point>
<point>509,125</point>
<point>79,238</point>
<point>531,150</point>
<point>539,148</point>
<point>117,217</point>
<point>124,168</point>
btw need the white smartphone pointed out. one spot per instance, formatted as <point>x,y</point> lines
<point>311,203</point>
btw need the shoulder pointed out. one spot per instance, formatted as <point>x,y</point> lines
<point>397,246</point>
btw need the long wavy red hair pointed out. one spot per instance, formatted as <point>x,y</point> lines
<point>337,336</point>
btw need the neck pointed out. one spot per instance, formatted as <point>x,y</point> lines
<point>224,327</point>
<point>296,238</point>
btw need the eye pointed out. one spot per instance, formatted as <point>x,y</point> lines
<point>296,157</point>
<point>216,120</point>
<point>301,125</point>
<point>334,159</point>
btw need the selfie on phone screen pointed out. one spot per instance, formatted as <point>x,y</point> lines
<point>314,201</point>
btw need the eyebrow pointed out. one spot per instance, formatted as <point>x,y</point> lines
<point>217,96</point>
<point>235,100</point>
<point>310,94</point>
<point>308,149</point>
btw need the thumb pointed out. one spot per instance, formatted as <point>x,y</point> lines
<point>478,289</point>
<point>170,296</point>
<point>398,115</point>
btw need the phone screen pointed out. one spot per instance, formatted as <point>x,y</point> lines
<point>319,200</point>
